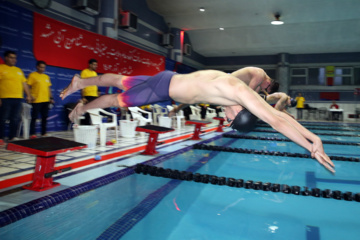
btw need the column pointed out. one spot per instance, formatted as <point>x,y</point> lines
<point>283,72</point>
<point>108,21</point>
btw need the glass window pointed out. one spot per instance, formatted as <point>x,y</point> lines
<point>298,80</point>
<point>343,76</point>
<point>298,71</point>
<point>316,76</point>
<point>357,76</point>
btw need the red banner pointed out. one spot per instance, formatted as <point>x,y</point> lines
<point>329,95</point>
<point>62,45</point>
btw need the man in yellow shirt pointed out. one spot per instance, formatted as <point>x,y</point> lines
<point>300,105</point>
<point>40,89</point>
<point>89,93</point>
<point>12,87</point>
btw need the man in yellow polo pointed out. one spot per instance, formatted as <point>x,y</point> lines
<point>40,89</point>
<point>91,92</point>
<point>12,87</point>
<point>299,105</point>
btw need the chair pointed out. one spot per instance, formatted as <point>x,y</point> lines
<point>195,113</point>
<point>311,114</point>
<point>210,114</point>
<point>323,113</point>
<point>25,120</point>
<point>357,113</point>
<point>124,114</point>
<point>96,119</point>
<point>136,113</point>
<point>222,112</point>
<point>159,111</point>
<point>180,118</point>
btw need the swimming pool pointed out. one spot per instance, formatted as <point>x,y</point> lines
<point>149,207</point>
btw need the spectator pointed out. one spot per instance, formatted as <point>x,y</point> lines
<point>334,105</point>
<point>90,92</point>
<point>12,87</point>
<point>300,105</point>
<point>40,83</point>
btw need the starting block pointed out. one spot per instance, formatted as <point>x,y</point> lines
<point>198,124</point>
<point>221,124</point>
<point>154,132</point>
<point>45,150</point>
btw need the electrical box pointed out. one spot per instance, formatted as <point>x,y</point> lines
<point>167,40</point>
<point>128,21</point>
<point>91,7</point>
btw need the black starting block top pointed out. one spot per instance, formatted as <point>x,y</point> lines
<point>197,122</point>
<point>153,129</point>
<point>46,146</point>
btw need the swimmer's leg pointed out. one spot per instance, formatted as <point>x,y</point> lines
<point>104,101</point>
<point>106,80</point>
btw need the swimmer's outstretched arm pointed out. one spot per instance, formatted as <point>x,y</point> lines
<point>285,125</point>
<point>106,80</point>
<point>231,93</point>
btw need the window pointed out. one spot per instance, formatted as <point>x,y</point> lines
<point>343,76</point>
<point>357,76</point>
<point>317,76</point>
<point>298,76</point>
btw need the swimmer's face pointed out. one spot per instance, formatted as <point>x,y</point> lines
<point>231,112</point>
<point>266,84</point>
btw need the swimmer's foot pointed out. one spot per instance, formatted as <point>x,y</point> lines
<point>76,112</point>
<point>71,88</point>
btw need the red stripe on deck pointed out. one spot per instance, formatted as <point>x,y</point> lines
<point>29,177</point>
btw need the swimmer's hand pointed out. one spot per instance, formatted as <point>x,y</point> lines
<point>323,159</point>
<point>318,153</point>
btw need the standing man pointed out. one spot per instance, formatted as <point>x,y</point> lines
<point>12,87</point>
<point>300,105</point>
<point>89,93</point>
<point>40,89</point>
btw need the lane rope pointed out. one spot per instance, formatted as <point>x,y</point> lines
<point>325,134</point>
<point>265,152</point>
<point>235,135</point>
<point>241,183</point>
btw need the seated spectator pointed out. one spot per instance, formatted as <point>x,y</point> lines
<point>334,105</point>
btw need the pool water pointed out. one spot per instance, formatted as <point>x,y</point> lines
<point>148,207</point>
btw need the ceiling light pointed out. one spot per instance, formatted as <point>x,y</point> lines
<point>221,28</point>
<point>277,20</point>
<point>202,9</point>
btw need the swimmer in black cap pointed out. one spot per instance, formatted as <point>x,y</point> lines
<point>205,86</point>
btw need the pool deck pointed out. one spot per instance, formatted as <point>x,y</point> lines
<point>17,169</point>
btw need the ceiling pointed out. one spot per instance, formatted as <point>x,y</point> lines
<point>311,26</point>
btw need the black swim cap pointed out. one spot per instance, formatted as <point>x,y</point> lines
<point>244,121</point>
<point>293,102</point>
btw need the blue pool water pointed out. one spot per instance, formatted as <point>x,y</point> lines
<point>148,207</point>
